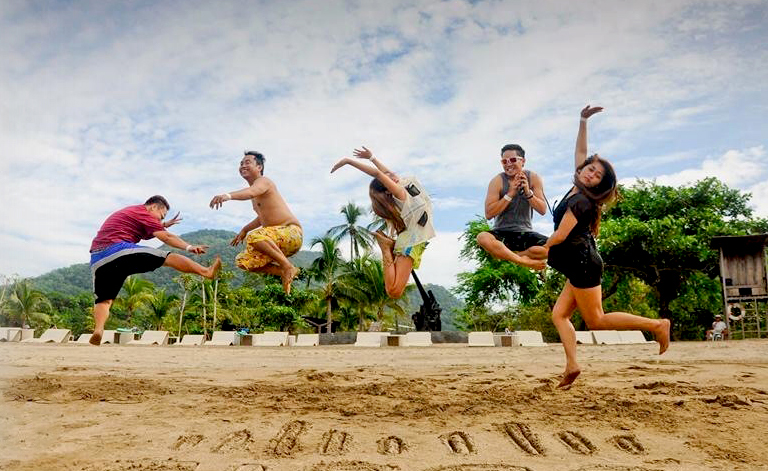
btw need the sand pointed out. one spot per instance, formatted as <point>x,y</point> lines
<point>702,405</point>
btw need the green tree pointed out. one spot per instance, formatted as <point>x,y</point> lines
<point>159,306</point>
<point>359,236</point>
<point>368,274</point>
<point>27,305</point>
<point>73,312</point>
<point>662,236</point>
<point>331,270</point>
<point>136,294</point>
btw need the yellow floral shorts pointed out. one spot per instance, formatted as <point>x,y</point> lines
<point>288,239</point>
<point>414,252</point>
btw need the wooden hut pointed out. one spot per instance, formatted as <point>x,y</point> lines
<point>744,282</point>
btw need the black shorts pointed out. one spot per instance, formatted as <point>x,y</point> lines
<point>110,273</point>
<point>579,261</point>
<point>518,240</point>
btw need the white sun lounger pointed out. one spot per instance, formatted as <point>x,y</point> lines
<point>371,339</point>
<point>108,337</point>
<point>11,335</point>
<point>304,340</point>
<point>51,336</point>
<point>528,338</point>
<point>418,339</point>
<point>481,339</point>
<point>609,336</point>
<point>633,337</point>
<point>271,338</point>
<point>191,340</point>
<point>84,338</point>
<point>584,337</point>
<point>152,337</point>
<point>223,338</point>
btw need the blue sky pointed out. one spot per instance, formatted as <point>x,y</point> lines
<point>103,104</point>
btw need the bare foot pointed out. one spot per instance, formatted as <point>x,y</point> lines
<point>387,245</point>
<point>568,378</point>
<point>95,339</point>
<point>213,270</point>
<point>287,277</point>
<point>662,335</point>
<point>535,264</point>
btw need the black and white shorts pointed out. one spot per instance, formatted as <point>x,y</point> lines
<point>109,272</point>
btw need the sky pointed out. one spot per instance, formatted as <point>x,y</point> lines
<point>105,103</point>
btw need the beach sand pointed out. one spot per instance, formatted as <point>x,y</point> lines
<point>702,405</point>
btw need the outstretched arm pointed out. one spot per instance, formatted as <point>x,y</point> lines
<point>175,241</point>
<point>366,153</point>
<point>258,188</point>
<point>581,139</point>
<point>396,190</point>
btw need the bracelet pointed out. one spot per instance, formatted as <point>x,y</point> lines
<point>228,197</point>
<point>583,120</point>
<point>187,248</point>
<point>507,197</point>
<point>529,196</point>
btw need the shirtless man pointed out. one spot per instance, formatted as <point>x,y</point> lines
<point>275,234</point>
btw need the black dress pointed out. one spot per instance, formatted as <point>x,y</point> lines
<point>577,257</point>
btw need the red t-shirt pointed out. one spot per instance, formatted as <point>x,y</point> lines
<point>131,224</point>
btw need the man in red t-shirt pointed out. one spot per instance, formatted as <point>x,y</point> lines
<point>115,254</point>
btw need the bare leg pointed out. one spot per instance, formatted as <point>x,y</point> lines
<point>498,250</point>
<point>100,315</point>
<point>185,264</point>
<point>396,276</point>
<point>534,252</point>
<point>561,317</point>
<point>287,271</point>
<point>387,245</point>
<point>590,305</point>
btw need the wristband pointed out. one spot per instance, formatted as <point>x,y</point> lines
<point>583,120</point>
<point>507,197</point>
<point>529,196</point>
<point>227,197</point>
<point>187,248</point>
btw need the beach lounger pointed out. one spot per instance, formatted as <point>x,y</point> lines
<point>633,337</point>
<point>84,338</point>
<point>418,339</point>
<point>528,338</point>
<point>609,336</point>
<point>51,336</point>
<point>191,340</point>
<point>584,337</point>
<point>109,337</point>
<point>271,338</point>
<point>152,337</point>
<point>371,339</point>
<point>223,338</point>
<point>27,333</point>
<point>481,339</point>
<point>307,340</point>
<point>11,335</point>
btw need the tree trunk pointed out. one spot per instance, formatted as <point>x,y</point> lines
<point>181,311</point>
<point>215,303</point>
<point>205,331</point>
<point>328,315</point>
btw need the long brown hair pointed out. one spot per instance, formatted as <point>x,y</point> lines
<point>604,193</point>
<point>383,204</point>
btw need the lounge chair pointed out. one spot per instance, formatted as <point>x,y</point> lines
<point>152,337</point>
<point>191,340</point>
<point>223,338</point>
<point>51,335</point>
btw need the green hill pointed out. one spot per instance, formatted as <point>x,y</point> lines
<point>76,278</point>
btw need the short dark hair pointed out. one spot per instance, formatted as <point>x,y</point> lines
<point>158,199</point>
<point>513,147</point>
<point>259,157</point>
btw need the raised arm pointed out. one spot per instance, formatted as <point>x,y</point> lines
<point>259,187</point>
<point>396,190</point>
<point>366,153</point>
<point>581,139</point>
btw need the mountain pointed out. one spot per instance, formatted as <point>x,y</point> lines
<point>76,278</point>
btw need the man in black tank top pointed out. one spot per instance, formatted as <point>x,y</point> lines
<point>512,196</point>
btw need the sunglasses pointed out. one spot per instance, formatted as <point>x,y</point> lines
<point>511,160</point>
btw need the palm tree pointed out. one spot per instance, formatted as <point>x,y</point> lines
<point>160,304</point>
<point>28,304</point>
<point>330,269</point>
<point>369,273</point>
<point>359,237</point>
<point>137,293</point>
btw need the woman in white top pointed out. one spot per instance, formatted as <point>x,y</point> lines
<point>406,207</point>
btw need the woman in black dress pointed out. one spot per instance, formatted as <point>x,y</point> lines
<point>572,252</point>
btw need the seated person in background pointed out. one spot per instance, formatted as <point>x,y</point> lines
<point>719,328</point>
